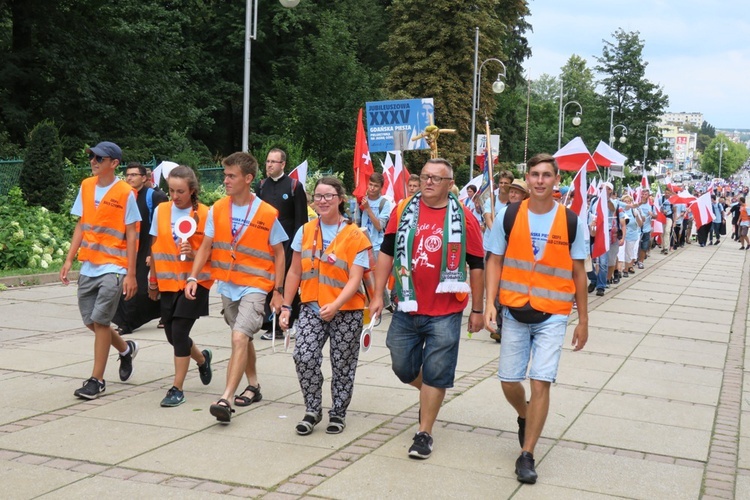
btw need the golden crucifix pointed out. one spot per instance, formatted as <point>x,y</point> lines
<point>431,134</point>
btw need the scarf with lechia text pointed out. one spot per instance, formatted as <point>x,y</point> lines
<point>453,263</point>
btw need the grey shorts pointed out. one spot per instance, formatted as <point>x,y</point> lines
<point>612,255</point>
<point>245,315</point>
<point>98,297</point>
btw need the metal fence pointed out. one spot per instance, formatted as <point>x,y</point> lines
<point>10,172</point>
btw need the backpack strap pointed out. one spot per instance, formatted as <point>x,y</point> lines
<point>382,204</point>
<point>150,204</point>
<point>509,219</point>
<point>260,186</point>
<point>294,185</point>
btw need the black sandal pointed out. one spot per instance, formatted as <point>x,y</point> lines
<point>308,423</point>
<point>246,401</point>
<point>222,410</point>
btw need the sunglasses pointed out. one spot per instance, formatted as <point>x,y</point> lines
<point>99,159</point>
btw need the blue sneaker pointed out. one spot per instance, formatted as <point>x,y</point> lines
<point>175,397</point>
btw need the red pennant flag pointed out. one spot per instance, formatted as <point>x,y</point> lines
<point>702,210</point>
<point>601,243</point>
<point>362,161</point>
<point>578,204</point>
<point>395,175</point>
<point>300,173</point>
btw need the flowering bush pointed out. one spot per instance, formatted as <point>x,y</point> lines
<point>32,237</point>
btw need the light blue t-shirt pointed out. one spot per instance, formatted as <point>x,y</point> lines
<point>648,213</point>
<point>540,224</point>
<point>240,223</point>
<point>132,214</point>
<point>376,237</point>
<point>328,233</point>
<point>632,231</point>
<point>679,213</point>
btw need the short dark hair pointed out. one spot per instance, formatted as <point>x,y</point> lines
<point>507,174</point>
<point>472,187</point>
<point>138,165</point>
<point>542,158</point>
<point>280,151</point>
<point>247,163</point>
<point>377,178</point>
<point>414,177</point>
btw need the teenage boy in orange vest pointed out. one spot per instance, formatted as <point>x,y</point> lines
<point>244,239</point>
<point>106,235</point>
<point>540,274</point>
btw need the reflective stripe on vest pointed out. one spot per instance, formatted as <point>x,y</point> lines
<point>323,279</point>
<point>171,272</point>
<point>252,263</point>
<point>547,284</point>
<point>103,228</point>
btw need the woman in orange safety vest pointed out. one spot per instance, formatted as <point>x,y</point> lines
<point>329,260</point>
<point>171,273</point>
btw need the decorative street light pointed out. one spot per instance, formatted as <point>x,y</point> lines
<point>721,147</point>
<point>497,87</point>
<point>612,128</point>
<point>251,32</point>
<point>561,117</point>
<point>645,146</point>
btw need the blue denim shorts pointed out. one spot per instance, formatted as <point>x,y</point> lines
<point>645,243</point>
<point>427,343</point>
<point>541,342</point>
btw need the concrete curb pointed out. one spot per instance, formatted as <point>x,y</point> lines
<point>36,279</point>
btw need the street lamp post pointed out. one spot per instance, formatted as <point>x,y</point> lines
<point>251,32</point>
<point>497,87</point>
<point>612,128</point>
<point>721,147</point>
<point>561,116</point>
<point>645,146</point>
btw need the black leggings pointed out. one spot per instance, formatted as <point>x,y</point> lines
<point>178,335</point>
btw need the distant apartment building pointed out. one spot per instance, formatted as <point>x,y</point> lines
<point>681,146</point>
<point>681,118</point>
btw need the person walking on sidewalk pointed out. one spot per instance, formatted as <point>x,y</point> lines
<point>288,196</point>
<point>107,237</point>
<point>540,272</point>
<point>171,270</point>
<point>330,258</point>
<point>428,244</point>
<point>244,240</point>
<point>744,225</point>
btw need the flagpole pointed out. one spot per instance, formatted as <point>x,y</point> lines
<point>488,144</point>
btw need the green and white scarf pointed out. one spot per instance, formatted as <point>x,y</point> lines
<point>453,264</point>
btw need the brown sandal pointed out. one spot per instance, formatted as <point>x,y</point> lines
<point>222,410</point>
<point>246,401</point>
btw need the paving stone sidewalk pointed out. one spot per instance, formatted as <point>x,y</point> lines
<point>654,407</point>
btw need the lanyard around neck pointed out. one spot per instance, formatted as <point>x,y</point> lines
<point>236,233</point>
<point>315,239</point>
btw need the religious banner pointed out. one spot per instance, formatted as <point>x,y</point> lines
<point>395,125</point>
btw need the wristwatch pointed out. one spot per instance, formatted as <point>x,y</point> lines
<point>280,289</point>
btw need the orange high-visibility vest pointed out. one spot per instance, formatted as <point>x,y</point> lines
<point>547,284</point>
<point>171,272</point>
<point>323,279</point>
<point>251,262</point>
<point>104,240</point>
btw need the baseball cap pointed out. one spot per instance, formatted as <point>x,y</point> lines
<point>108,149</point>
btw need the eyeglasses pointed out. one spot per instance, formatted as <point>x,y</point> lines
<point>436,179</point>
<point>132,175</point>
<point>327,196</point>
<point>99,159</point>
<point>273,161</point>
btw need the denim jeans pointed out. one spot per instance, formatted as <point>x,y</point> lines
<point>600,278</point>
<point>427,343</point>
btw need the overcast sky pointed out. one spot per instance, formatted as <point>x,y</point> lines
<point>697,50</point>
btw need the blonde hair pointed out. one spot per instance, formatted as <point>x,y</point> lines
<point>627,198</point>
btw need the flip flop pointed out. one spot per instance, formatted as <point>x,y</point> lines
<point>246,401</point>
<point>222,410</point>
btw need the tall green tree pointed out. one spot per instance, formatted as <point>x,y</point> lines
<point>431,49</point>
<point>43,172</point>
<point>732,158</point>
<point>636,100</point>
